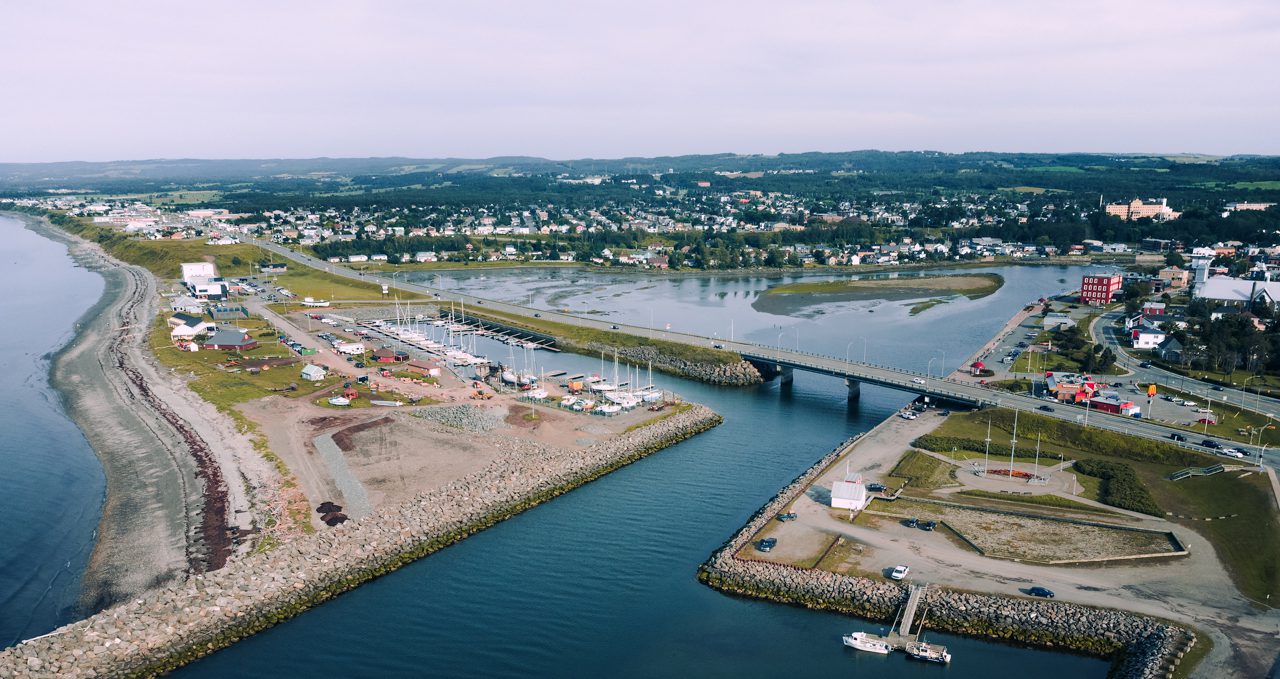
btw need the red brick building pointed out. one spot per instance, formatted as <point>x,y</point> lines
<point>1099,289</point>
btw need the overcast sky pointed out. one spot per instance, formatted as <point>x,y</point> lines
<point>121,80</point>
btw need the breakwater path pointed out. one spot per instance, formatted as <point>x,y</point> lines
<point>172,626</point>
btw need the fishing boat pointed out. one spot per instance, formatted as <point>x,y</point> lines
<point>339,401</point>
<point>921,650</point>
<point>864,642</point>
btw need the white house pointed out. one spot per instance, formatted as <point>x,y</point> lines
<point>358,258</point>
<point>187,304</point>
<point>1148,337</point>
<point>313,373</point>
<point>849,494</point>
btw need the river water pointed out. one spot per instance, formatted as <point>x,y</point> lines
<point>602,581</point>
<point>51,485</point>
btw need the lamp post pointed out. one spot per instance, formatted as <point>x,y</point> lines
<point>1261,450</point>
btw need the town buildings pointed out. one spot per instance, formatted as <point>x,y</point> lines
<point>1100,289</point>
<point>1158,210</point>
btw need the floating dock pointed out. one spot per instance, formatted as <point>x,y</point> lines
<point>900,636</point>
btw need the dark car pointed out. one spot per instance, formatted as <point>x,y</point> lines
<point>717,345</point>
<point>944,412</point>
<point>1047,409</point>
<point>1144,364</point>
<point>1211,444</point>
<point>928,525</point>
<point>537,315</point>
<point>613,327</point>
<point>913,522</point>
<point>875,487</point>
<point>789,516</point>
<point>359,364</point>
<point>1177,437</point>
<point>1217,388</point>
<point>766,544</point>
<point>1041,592</point>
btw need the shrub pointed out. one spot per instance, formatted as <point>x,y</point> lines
<point>1120,486</point>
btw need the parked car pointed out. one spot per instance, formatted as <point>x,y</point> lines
<point>1177,437</point>
<point>1210,444</point>
<point>929,525</point>
<point>1207,420</point>
<point>766,544</point>
<point>1041,592</point>
<point>899,572</point>
<point>875,487</point>
<point>913,522</point>
<point>789,516</point>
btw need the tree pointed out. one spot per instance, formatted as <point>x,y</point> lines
<point>1175,259</point>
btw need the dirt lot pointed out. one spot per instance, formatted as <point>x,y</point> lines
<point>1032,539</point>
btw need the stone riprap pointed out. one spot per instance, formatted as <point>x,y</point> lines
<point>1143,646</point>
<point>169,627</point>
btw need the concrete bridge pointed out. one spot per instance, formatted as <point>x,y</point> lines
<point>781,363</point>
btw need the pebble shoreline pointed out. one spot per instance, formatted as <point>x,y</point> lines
<point>167,628</point>
<point>1142,647</point>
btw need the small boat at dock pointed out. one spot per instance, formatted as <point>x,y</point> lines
<point>866,642</point>
<point>927,652</point>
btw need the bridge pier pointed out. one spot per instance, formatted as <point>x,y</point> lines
<point>854,387</point>
<point>785,374</point>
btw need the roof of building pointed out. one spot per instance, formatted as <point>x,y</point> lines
<point>1226,289</point>
<point>230,337</point>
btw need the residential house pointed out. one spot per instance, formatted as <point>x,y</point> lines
<point>230,339</point>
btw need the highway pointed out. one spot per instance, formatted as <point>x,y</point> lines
<point>963,392</point>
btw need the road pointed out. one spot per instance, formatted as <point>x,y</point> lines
<point>962,391</point>
<point>1105,332</point>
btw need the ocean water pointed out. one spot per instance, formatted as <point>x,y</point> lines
<point>51,485</point>
<point>602,581</point>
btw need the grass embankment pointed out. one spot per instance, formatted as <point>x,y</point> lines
<point>1248,544</point>
<point>225,388</point>
<point>1234,423</point>
<point>922,471</point>
<point>575,337</point>
<point>164,258</point>
<point>1036,500</point>
<point>972,286</point>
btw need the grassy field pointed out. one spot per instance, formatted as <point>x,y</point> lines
<point>1037,500</point>
<point>581,338</point>
<point>921,471</point>
<point>972,286</point>
<point>1248,544</point>
<point>184,197</point>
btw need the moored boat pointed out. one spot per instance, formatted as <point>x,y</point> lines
<point>921,650</point>
<point>864,642</point>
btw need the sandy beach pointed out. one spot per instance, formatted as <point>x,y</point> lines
<point>178,473</point>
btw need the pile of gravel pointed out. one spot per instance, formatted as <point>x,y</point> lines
<point>467,417</point>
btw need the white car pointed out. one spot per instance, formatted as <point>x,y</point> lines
<point>899,572</point>
<point>907,415</point>
<point>1233,452</point>
<point>918,380</point>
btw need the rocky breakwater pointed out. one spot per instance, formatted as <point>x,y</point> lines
<point>169,627</point>
<point>733,373</point>
<point>1142,647</point>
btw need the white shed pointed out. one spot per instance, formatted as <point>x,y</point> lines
<point>313,372</point>
<point>849,494</point>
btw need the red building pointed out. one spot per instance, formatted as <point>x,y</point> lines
<point>1099,289</point>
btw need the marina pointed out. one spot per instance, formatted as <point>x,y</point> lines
<point>901,638</point>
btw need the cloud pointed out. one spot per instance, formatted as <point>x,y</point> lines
<point>567,79</point>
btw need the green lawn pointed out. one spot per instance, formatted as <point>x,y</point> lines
<point>921,471</point>
<point>1037,500</point>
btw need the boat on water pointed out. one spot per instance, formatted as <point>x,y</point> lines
<point>927,652</point>
<point>864,642</point>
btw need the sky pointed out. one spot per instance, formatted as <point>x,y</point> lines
<point>599,78</point>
